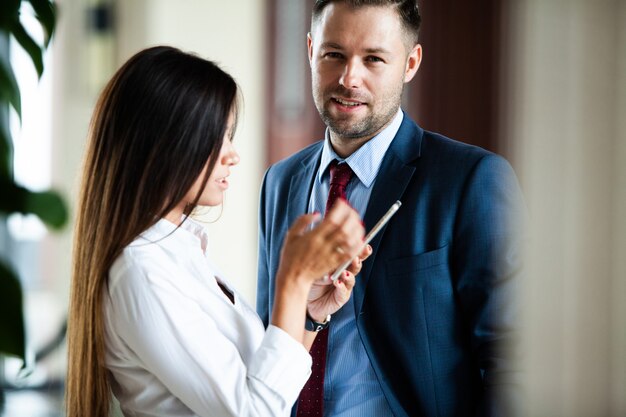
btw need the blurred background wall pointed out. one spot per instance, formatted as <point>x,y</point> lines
<point>542,82</point>
<point>567,126</point>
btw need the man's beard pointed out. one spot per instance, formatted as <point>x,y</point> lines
<point>365,127</point>
<point>353,130</point>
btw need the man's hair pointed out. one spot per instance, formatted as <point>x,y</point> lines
<point>407,10</point>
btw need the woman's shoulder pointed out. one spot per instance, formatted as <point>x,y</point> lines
<point>141,261</point>
<point>133,264</point>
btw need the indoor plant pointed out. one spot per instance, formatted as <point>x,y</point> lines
<point>47,205</point>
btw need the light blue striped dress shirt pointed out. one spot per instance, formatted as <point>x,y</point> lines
<point>351,388</point>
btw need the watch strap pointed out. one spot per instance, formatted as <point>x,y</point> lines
<point>314,326</point>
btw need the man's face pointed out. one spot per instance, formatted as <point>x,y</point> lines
<point>359,64</point>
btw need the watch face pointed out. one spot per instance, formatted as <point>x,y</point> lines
<point>313,326</point>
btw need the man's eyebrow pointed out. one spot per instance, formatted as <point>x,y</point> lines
<point>376,50</point>
<point>331,45</point>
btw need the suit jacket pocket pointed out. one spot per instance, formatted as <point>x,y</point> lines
<point>419,262</point>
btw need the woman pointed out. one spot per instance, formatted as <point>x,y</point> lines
<point>151,319</point>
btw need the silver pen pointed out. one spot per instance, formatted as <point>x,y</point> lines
<point>382,222</point>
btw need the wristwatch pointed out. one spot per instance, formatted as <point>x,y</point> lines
<point>314,326</point>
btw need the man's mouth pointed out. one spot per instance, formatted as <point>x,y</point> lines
<point>347,103</point>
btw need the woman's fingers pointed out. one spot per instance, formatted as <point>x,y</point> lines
<point>303,222</point>
<point>342,226</point>
<point>318,251</point>
<point>346,280</point>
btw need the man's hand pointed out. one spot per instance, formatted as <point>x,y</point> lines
<point>327,297</point>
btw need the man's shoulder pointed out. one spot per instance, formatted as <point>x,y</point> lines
<point>295,163</point>
<point>436,142</point>
<point>453,158</point>
<point>413,143</point>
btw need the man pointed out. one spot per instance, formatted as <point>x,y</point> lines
<point>430,320</point>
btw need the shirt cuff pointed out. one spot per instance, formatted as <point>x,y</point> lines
<point>281,363</point>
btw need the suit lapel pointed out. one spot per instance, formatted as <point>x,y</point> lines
<point>394,176</point>
<point>300,186</point>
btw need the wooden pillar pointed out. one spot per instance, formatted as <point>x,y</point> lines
<point>456,91</point>
<point>292,119</point>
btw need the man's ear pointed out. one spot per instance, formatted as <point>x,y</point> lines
<point>309,45</point>
<point>413,63</point>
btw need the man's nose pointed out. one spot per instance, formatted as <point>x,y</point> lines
<point>352,75</point>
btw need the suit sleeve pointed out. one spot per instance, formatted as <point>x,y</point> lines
<point>487,257</point>
<point>263,279</point>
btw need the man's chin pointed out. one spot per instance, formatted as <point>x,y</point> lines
<point>346,128</point>
<point>349,134</point>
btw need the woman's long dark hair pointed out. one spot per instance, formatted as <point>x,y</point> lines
<point>158,121</point>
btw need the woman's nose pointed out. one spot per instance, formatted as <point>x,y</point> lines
<point>232,157</point>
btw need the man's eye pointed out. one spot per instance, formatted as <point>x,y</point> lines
<point>333,55</point>
<point>374,59</point>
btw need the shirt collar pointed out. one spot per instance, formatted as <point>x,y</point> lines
<point>190,231</point>
<point>366,161</point>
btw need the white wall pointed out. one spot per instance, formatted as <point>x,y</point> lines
<point>568,77</point>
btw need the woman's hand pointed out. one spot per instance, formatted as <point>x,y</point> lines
<point>311,254</point>
<point>326,297</point>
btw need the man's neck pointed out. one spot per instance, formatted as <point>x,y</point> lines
<point>344,147</point>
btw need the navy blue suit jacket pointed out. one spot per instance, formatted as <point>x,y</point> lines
<point>433,303</point>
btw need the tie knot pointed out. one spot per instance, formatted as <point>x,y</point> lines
<point>340,174</point>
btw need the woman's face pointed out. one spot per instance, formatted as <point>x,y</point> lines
<point>213,193</point>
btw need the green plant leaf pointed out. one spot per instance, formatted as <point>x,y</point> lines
<point>9,12</point>
<point>47,205</point>
<point>29,45</point>
<point>6,152</point>
<point>12,338</point>
<point>9,90</point>
<point>45,11</point>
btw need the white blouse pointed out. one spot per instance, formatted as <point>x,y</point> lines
<point>177,346</point>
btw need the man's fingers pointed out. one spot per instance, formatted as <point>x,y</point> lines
<point>366,252</point>
<point>355,266</point>
<point>357,262</point>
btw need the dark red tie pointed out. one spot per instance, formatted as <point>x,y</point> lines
<point>311,400</point>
